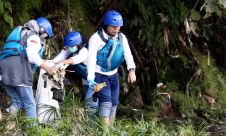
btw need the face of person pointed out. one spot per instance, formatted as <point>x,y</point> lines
<point>43,33</point>
<point>113,30</point>
<point>72,49</point>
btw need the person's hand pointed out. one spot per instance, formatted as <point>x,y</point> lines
<point>50,70</point>
<point>92,84</point>
<point>131,76</point>
<point>59,63</point>
<point>68,61</point>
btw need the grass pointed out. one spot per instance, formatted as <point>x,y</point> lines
<point>74,121</point>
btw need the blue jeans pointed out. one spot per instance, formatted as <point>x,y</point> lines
<point>89,101</point>
<point>22,98</point>
<point>81,70</point>
<point>109,95</point>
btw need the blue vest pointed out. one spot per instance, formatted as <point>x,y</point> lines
<point>81,68</point>
<point>111,55</point>
<point>15,45</point>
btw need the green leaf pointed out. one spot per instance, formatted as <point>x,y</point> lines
<point>223,2</point>
<point>1,7</point>
<point>8,19</point>
<point>184,11</point>
<point>195,15</point>
<point>207,32</point>
<point>143,10</point>
<point>8,6</point>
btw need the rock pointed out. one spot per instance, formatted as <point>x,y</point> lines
<point>216,130</point>
<point>210,99</point>
<point>135,99</point>
<point>170,110</point>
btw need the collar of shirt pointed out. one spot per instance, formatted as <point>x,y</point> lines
<point>106,36</point>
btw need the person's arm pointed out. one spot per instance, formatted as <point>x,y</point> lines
<point>62,55</point>
<point>92,56</point>
<point>129,60</point>
<point>33,47</point>
<point>50,70</point>
<point>78,58</point>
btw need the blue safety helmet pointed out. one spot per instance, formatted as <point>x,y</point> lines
<point>113,18</point>
<point>43,22</point>
<point>72,38</point>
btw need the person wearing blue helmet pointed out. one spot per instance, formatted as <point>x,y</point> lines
<point>21,55</point>
<point>75,53</point>
<point>72,47</point>
<point>108,48</point>
<point>44,23</point>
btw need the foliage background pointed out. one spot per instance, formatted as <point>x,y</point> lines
<point>190,60</point>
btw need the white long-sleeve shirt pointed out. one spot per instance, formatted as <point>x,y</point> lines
<point>95,44</point>
<point>32,50</point>
<point>81,57</point>
<point>78,58</point>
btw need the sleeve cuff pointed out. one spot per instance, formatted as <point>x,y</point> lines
<point>132,69</point>
<point>39,62</point>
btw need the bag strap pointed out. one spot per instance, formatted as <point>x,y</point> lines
<point>100,33</point>
<point>24,37</point>
<point>120,38</point>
